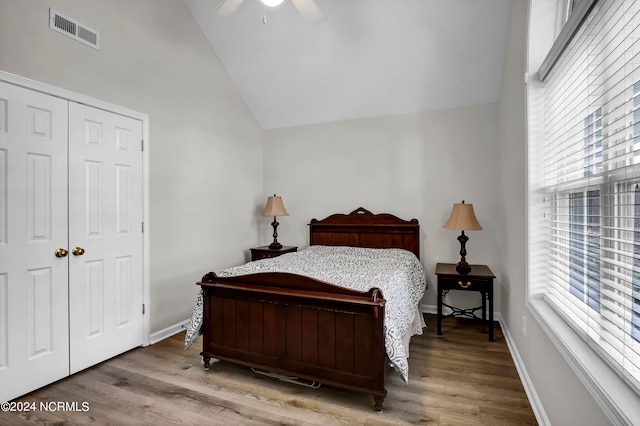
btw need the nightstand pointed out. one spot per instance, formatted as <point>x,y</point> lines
<point>264,252</point>
<point>479,279</point>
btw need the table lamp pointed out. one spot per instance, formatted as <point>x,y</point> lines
<point>463,218</point>
<point>275,208</point>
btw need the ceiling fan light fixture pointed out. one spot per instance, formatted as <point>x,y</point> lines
<point>272,3</point>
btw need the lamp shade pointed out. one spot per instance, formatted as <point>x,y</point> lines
<point>274,207</point>
<point>463,218</point>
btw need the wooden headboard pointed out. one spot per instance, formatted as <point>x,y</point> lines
<point>361,228</point>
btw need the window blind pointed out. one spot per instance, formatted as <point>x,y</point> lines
<point>587,263</point>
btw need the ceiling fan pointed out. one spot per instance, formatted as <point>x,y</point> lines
<point>307,8</point>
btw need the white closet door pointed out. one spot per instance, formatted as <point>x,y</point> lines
<point>34,345</point>
<point>105,216</point>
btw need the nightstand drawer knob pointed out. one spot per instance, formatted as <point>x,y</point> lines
<point>463,285</point>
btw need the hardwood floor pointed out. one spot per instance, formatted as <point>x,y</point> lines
<point>459,378</point>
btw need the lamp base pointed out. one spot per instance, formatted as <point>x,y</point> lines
<point>463,267</point>
<point>275,245</point>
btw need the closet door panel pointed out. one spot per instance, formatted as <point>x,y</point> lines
<point>34,340</point>
<point>105,204</point>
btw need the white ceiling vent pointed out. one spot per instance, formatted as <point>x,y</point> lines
<point>74,29</point>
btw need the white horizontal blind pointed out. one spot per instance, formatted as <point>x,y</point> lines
<point>590,256</point>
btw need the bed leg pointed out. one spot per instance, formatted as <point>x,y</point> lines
<point>378,400</point>
<point>207,362</point>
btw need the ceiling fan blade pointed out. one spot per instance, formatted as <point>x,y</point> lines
<point>229,7</point>
<point>309,10</point>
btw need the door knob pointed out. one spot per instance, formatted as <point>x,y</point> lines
<point>77,251</point>
<point>61,252</point>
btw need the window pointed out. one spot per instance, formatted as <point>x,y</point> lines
<point>635,307</point>
<point>584,259</point>
<point>584,221</point>
<point>584,247</point>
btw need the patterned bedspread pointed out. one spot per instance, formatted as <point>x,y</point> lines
<point>398,273</point>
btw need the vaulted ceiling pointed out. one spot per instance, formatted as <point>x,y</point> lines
<point>367,58</point>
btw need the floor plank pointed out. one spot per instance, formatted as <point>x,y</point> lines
<point>458,378</point>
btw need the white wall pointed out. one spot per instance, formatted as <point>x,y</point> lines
<point>563,397</point>
<point>205,146</point>
<point>411,165</point>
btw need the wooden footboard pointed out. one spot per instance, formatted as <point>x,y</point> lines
<point>297,326</point>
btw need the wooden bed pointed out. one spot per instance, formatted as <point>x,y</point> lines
<point>298,326</point>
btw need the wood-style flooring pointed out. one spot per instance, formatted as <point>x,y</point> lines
<point>458,378</point>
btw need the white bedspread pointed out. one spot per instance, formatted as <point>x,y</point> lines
<point>398,273</point>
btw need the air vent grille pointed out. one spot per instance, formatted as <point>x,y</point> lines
<point>64,24</point>
<point>88,36</point>
<point>71,28</point>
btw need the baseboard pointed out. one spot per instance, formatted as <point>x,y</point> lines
<point>169,331</point>
<point>428,309</point>
<point>532,395</point>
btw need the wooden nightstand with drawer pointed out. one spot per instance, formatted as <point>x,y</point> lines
<point>264,252</point>
<point>479,279</point>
